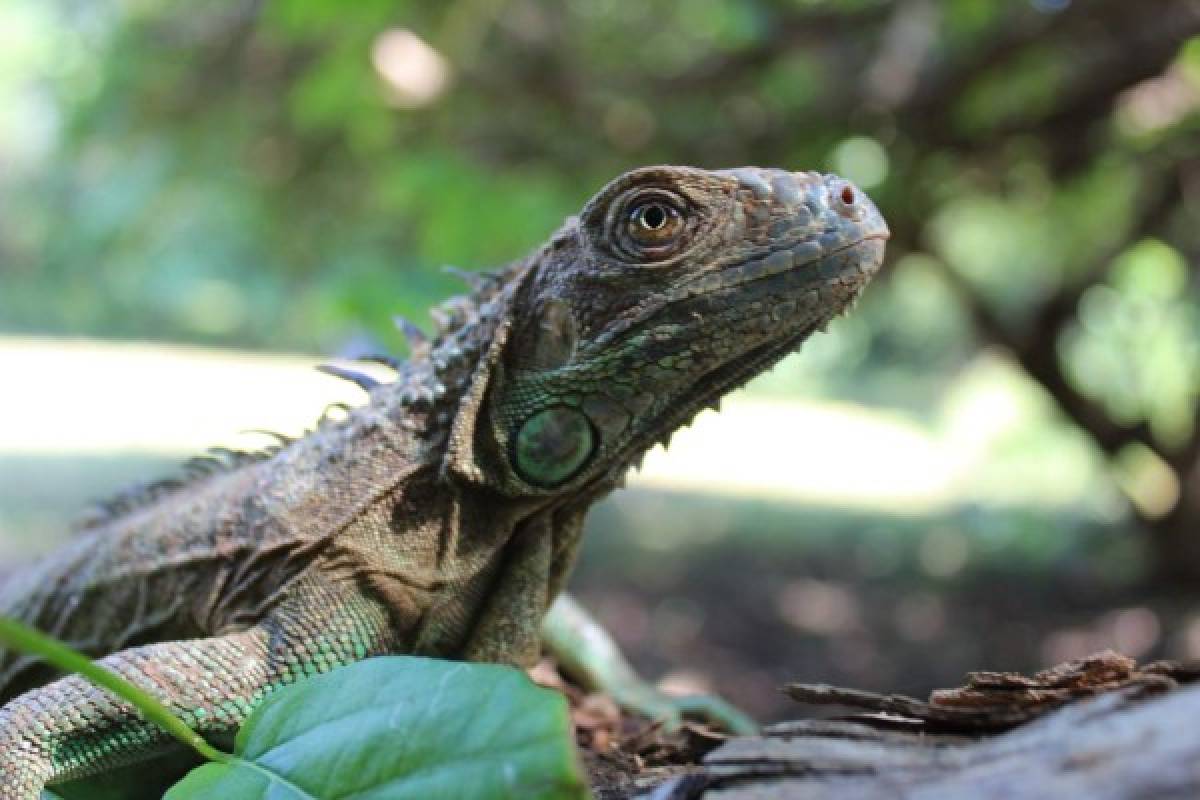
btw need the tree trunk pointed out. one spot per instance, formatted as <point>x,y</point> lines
<point>1177,535</point>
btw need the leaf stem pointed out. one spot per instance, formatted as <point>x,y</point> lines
<point>17,636</point>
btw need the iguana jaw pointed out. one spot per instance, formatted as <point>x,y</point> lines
<point>849,269</point>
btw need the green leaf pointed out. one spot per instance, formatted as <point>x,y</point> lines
<point>400,727</point>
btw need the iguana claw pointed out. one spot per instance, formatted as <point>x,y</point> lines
<point>672,710</point>
<point>586,652</point>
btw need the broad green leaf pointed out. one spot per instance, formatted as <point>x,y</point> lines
<point>400,727</point>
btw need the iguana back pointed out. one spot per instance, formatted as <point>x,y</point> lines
<point>185,559</point>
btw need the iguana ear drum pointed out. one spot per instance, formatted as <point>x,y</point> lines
<point>552,446</point>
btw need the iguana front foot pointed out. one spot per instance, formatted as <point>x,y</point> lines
<point>586,652</point>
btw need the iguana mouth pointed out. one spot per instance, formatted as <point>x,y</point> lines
<point>733,373</point>
<point>789,265</point>
<point>687,304</point>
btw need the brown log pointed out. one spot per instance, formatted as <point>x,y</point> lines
<point>1135,734</point>
<point>1110,747</point>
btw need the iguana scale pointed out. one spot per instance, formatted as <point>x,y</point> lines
<point>443,516</point>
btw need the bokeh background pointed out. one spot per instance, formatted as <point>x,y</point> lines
<point>993,463</point>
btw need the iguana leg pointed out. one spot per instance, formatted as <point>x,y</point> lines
<point>72,729</point>
<point>587,653</point>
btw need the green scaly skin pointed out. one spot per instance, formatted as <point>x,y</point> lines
<point>441,518</point>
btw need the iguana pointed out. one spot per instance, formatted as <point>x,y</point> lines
<point>443,516</point>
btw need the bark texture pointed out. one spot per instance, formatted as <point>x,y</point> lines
<point>1100,728</point>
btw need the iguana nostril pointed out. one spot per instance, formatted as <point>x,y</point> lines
<point>845,201</point>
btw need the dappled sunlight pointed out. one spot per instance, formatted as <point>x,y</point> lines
<point>822,608</point>
<point>1132,631</point>
<point>1007,432</point>
<point>838,454</point>
<point>1159,102</point>
<point>920,617</point>
<point>93,397</point>
<point>943,552</point>
<point>414,73</point>
<point>82,396</point>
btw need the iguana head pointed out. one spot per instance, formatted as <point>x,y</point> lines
<point>672,287</point>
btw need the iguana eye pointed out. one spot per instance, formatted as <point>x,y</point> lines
<point>552,446</point>
<point>654,224</point>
